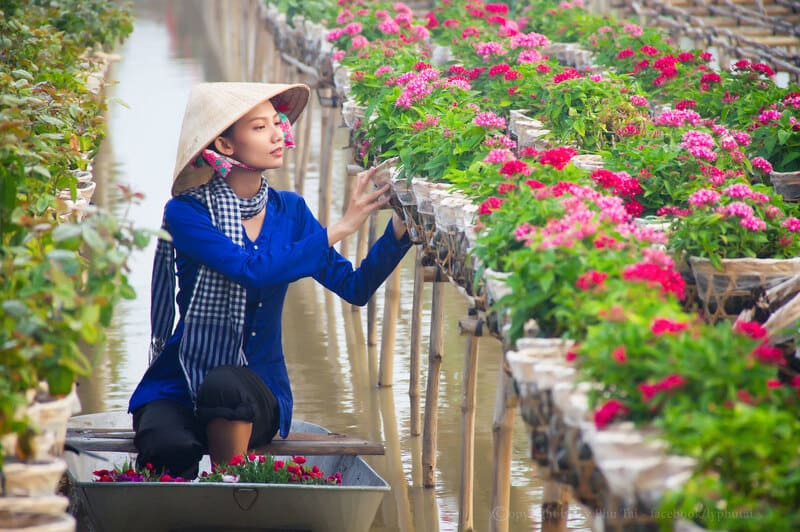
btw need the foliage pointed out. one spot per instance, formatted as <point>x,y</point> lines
<point>59,281</point>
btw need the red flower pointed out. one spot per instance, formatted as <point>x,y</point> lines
<point>685,104</point>
<point>773,383</point>
<point>557,157</point>
<point>500,9</point>
<point>491,204</point>
<point>634,208</point>
<point>608,411</point>
<point>591,279</point>
<point>534,184</point>
<point>277,465</point>
<point>750,328</point>
<point>236,460</point>
<point>648,391</point>
<point>165,478</point>
<point>433,22</point>
<point>299,459</point>
<point>505,187</point>
<point>619,355</point>
<point>769,354</point>
<point>515,167</point>
<point>251,457</point>
<point>649,50</point>
<point>627,52</point>
<point>570,356</point>
<point>664,326</point>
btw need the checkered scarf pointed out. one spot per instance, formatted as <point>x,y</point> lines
<point>214,322</point>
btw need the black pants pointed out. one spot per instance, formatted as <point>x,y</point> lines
<point>173,438</point>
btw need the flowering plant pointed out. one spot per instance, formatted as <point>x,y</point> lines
<point>265,469</point>
<point>776,134</point>
<point>252,468</point>
<point>129,472</point>
<point>737,222</point>
<point>593,110</point>
<point>677,155</point>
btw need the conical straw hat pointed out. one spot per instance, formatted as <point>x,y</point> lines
<point>213,108</point>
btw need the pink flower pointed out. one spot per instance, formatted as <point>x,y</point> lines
<point>792,224</point>
<point>752,329</point>
<point>753,223</point>
<point>619,355</point>
<point>489,120</point>
<point>639,101</point>
<point>773,383</point>
<point>762,164</point>
<point>769,354</point>
<point>704,196</point>
<point>515,166</point>
<point>498,156</point>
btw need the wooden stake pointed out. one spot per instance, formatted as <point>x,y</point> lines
<point>372,308</point>
<point>326,160</point>
<point>304,148</point>
<point>468,435</point>
<point>505,406</point>
<point>430,430</point>
<point>394,462</point>
<point>416,343</point>
<point>391,312</point>
<point>555,502</point>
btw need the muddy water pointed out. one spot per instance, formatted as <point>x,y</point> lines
<point>332,370</point>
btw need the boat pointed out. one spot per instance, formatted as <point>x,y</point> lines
<point>100,441</point>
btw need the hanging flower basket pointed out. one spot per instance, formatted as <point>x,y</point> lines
<point>725,293</point>
<point>787,184</point>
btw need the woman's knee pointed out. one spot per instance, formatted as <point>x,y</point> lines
<point>222,395</point>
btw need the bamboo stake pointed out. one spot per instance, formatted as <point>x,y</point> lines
<point>394,462</point>
<point>416,343</point>
<point>372,308</point>
<point>505,405</point>
<point>391,312</point>
<point>555,502</point>
<point>430,430</point>
<point>468,436</point>
<point>304,150</point>
<point>326,160</point>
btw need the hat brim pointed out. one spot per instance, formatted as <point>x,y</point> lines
<point>288,99</point>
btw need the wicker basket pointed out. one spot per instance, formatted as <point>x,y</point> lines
<point>726,292</point>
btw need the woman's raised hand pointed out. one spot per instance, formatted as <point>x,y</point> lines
<point>363,202</point>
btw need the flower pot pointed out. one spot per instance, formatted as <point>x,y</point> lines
<point>36,522</point>
<point>33,479</point>
<point>787,184</point>
<point>49,416</point>
<point>725,293</point>
<point>45,504</point>
<point>353,114</point>
<point>589,161</point>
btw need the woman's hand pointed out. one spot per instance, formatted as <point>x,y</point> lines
<point>362,204</point>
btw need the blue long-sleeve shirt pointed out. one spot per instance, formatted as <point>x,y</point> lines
<point>292,245</point>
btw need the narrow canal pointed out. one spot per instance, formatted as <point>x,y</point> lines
<point>332,371</point>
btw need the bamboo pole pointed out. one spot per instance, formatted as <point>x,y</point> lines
<point>504,408</point>
<point>465,521</point>
<point>372,306</point>
<point>430,430</point>
<point>391,312</point>
<point>304,148</point>
<point>394,462</point>
<point>326,162</point>
<point>416,343</point>
<point>555,502</point>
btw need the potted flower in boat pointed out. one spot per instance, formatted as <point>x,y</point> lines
<point>242,468</point>
<point>736,239</point>
<point>776,138</point>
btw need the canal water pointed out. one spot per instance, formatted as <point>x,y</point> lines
<point>332,371</point>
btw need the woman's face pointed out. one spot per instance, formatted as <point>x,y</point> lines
<point>257,139</point>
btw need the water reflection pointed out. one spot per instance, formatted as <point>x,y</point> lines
<point>332,370</point>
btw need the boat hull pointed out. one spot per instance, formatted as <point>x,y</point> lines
<point>207,507</point>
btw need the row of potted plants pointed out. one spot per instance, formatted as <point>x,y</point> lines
<point>576,260</point>
<point>60,279</point>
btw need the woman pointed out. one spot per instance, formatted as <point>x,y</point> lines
<point>218,380</point>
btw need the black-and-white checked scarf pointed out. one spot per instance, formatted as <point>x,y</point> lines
<point>212,334</point>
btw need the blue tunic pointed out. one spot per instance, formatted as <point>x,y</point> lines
<point>292,245</point>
